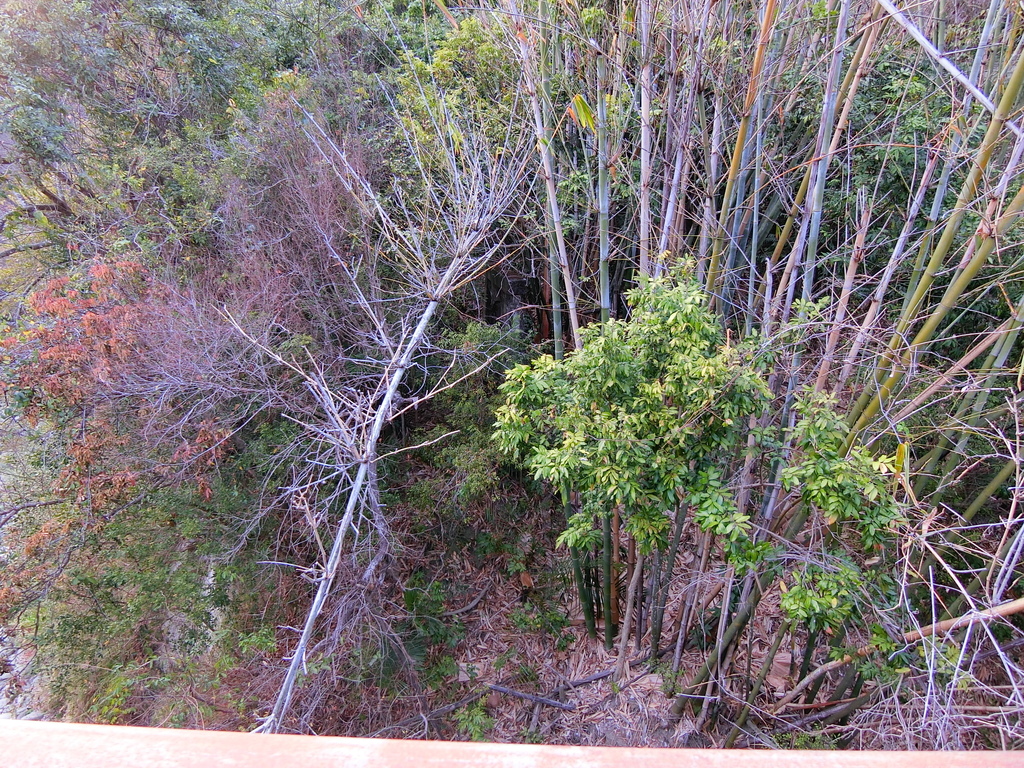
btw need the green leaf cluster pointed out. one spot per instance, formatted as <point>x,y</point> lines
<point>822,599</point>
<point>644,416</point>
<point>849,488</point>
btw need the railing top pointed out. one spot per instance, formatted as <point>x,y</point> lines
<point>56,745</point>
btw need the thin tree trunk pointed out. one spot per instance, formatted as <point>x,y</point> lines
<point>634,583</point>
<point>369,455</point>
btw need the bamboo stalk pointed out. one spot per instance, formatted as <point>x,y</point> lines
<point>856,257</point>
<point>548,174</point>
<point>686,614</point>
<point>938,628</point>
<point>638,570</point>
<point>713,163</point>
<point>821,163</point>
<point>646,93</point>
<point>890,269</point>
<point>948,301</point>
<point>682,162</point>
<point>711,280</point>
<point>603,186</point>
<point>847,91</point>
<point>976,399</point>
<point>762,675</point>
<point>869,403</point>
<point>582,585</point>
<point>326,581</point>
<point>730,634</point>
<point>660,595</point>
<point>606,584</point>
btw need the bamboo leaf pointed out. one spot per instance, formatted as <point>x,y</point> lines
<point>582,114</point>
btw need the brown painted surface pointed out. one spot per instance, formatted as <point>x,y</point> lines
<point>56,745</point>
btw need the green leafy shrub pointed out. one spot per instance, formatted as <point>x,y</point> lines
<point>644,416</point>
<point>848,488</point>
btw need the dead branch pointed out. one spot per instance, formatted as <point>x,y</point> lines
<point>533,698</point>
<point>938,628</point>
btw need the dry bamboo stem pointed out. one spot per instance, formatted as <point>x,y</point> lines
<point>627,622</point>
<point>741,140</point>
<point>548,172</point>
<point>646,89</point>
<point>938,628</point>
<point>844,299</point>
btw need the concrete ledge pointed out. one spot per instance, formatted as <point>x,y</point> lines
<point>56,745</point>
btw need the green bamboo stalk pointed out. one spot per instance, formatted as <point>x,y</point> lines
<point>603,185</point>
<point>948,302</point>
<point>835,643</point>
<point>956,606</point>
<point>957,138</point>
<point>755,229</point>
<point>739,622</point>
<point>544,134</point>
<point>606,584</point>
<point>773,304</point>
<point>975,400</point>
<point>869,403</point>
<point>740,218</point>
<point>939,35</point>
<point>762,675</point>
<point>986,493</point>
<point>682,164</point>
<point>660,595</point>
<point>554,271</point>
<point>582,587</point>
<point>997,481</point>
<point>820,170</point>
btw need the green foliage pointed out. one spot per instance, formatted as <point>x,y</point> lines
<point>425,625</point>
<point>164,134</point>
<point>822,598</point>
<point>468,79</point>
<point>113,703</point>
<point>644,416</point>
<point>474,722</point>
<point>542,619</point>
<point>848,488</point>
<point>812,740</point>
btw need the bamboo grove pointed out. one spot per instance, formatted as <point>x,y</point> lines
<point>870,314</point>
<point>773,298</point>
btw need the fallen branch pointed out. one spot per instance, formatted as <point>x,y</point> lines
<point>938,628</point>
<point>472,603</point>
<point>531,697</point>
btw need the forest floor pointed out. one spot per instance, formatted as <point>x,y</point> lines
<point>531,640</point>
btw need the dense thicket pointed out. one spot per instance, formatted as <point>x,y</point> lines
<point>359,360</point>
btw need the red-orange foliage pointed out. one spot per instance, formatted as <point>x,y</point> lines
<point>84,338</point>
<point>73,367</point>
<point>81,336</point>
